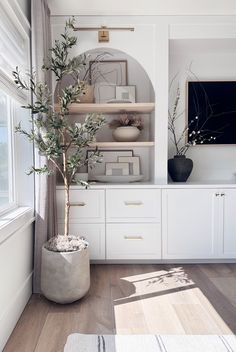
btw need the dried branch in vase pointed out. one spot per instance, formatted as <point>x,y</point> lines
<point>193,132</point>
<point>127,120</point>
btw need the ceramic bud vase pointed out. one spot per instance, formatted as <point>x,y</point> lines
<point>180,168</point>
<point>88,95</point>
<point>126,134</point>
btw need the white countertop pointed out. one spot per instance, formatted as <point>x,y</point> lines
<point>199,184</point>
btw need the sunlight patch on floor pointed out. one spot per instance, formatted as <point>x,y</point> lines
<point>165,302</point>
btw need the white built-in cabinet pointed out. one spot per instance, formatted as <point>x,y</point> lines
<point>133,224</point>
<point>131,228</point>
<point>189,223</point>
<point>87,218</point>
<point>227,223</point>
<point>153,223</point>
<point>199,223</point>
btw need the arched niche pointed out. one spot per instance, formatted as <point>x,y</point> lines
<point>110,67</point>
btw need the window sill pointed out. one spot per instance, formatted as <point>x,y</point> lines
<point>14,221</point>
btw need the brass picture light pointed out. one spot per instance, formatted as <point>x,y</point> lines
<point>103,31</point>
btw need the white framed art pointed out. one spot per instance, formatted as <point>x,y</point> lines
<point>117,169</point>
<point>134,163</point>
<point>107,155</point>
<point>105,75</point>
<point>125,93</point>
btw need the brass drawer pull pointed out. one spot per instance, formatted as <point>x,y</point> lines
<point>77,204</point>
<point>131,203</point>
<point>133,238</point>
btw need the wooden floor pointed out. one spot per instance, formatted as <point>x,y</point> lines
<point>135,299</point>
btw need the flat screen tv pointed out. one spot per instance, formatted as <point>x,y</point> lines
<point>211,109</point>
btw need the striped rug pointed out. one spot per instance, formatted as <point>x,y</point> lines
<point>150,343</point>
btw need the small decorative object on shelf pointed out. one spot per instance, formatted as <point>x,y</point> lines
<point>107,155</point>
<point>180,167</point>
<point>90,74</point>
<point>127,128</point>
<point>81,176</point>
<point>126,92</point>
<point>117,166</point>
<point>134,162</point>
<point>117,169</point>
<point>105,76</point>
<point>88,94</point>
<point>82,77</point>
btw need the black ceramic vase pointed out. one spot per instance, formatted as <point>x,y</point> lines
<point>180,168</point>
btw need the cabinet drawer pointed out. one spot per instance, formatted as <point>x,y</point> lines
<point>94,234</point>
<point>87,206</point>
<point>133,241</point>
<point>136,205</point>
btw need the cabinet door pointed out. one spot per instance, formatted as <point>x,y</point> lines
<point>228,233</point>
<point>189,223</point>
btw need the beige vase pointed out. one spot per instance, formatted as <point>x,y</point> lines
<point>65,276</point>
<point>88,96</point>
<point>126,134</point>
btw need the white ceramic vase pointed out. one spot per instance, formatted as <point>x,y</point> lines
<point>126,134</point>
<point>65,276</point>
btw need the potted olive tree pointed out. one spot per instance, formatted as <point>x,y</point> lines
<point>65,275</point>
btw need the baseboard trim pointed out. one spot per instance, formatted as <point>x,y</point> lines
<point>13,311</point>
<point>164,261</point>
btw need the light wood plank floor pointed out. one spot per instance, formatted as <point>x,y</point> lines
<point>135,299</point>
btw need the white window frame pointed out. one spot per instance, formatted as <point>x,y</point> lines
<point>11,157</point>
<point>19,27</point>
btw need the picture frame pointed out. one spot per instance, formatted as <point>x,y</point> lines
<point>108,155</point>
<point>134,163</point>
<point>126,93</point>
<point>105,76</point>
<point>213,102</point>
<point>117,169</point>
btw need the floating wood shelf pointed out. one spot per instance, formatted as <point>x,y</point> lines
<point>113,108</point>
<point>121,144</point>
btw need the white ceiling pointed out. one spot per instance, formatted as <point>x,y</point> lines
<point>142,7</point>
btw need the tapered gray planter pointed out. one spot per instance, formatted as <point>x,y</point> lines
<point>65,276</point>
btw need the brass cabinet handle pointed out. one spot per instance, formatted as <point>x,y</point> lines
<point>77,204</point>
<point>131,203</point>
<point>219,194</point>
<point>133,238</point>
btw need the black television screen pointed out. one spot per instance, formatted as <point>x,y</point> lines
<point>212,111</point>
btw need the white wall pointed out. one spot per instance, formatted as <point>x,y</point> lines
<point>149,44</point>
<point>16,227</point>
<point>16,268</point>
<point>141,7</point>
<point>211,59</point>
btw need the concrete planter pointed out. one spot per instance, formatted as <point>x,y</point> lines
<point>65,276</point>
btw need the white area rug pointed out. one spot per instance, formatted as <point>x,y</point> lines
<point>150,343</point>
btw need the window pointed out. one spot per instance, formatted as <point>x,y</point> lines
<point>15,155</point>
<point>6,155</point>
